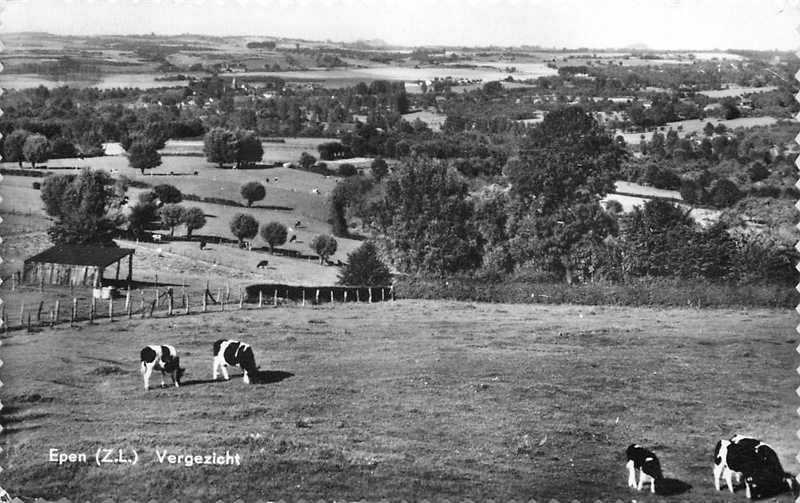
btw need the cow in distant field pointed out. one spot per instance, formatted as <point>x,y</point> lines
<point>164,358</point>
<point>293,238</point>
<point>262,264</point>
<point>234,353</point>
<point>755,462</point>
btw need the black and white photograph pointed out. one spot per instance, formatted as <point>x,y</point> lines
<point>348,250</point>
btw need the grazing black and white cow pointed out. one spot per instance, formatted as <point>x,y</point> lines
<point>234,353</point>
<point>646,463</point>
<point>262,264</point>
<point>164,358</point>
<point>755,462</point>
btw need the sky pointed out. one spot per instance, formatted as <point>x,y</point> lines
<point>658,24</point>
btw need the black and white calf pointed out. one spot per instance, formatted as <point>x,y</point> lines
<point>234,353</point>
<point>755,462</point>
<point>646,463</point>
<point>164,358</point>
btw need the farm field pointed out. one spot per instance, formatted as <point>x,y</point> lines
<point>736,91</point>
<point>697,125</point>
<point>403,400</point>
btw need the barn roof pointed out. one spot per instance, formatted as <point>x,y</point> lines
<point>81,255</point>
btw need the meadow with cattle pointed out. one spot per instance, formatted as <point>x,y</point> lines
<point>358,291</point>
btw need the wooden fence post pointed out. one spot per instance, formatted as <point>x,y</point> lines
<point>169,302</point>
<point>370,295</point>
<point>304,295</point>
<point>152,308</point>
<point>92,306</point>
<point>221,299</point>
<point>205,300</point>
<point>29,322</point>
<point>383,294</point>
<point>227,291</point>
<point>391,291</point>
<point>39,312</point>
<point>241,299</point>
<point>345,294</point>
<point>358,295</point>
<point>58,308</point>
<point>110,308</point>
<point>316,297</point>
<point>186,299</point>
<point>331,295</point>
<point>129,306</point>
<point>3,317</point>
<point>22,315</point>
<point>141,295</point>
<point>128,298</point>
<point>275,297</point>
<point>13,281</point>
<point>74,313</point>
<point>155,295</point>
<point>260,298</point>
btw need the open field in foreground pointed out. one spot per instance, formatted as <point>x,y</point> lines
<point>408,400</point>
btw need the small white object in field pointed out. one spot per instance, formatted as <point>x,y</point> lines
<point>617,421</point>
<point>543,440</point>
<point>158,251</point>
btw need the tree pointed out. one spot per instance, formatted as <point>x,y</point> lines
<point>708,129</point>
<point>244,226</point>
<point>253,191</point>
<point>379,168</point>
<point>167,194</point>
<point>12,146</point>
<point>306,160</point>
<point>36,149</point>
<point>171,217</point>
<point>567,159</point>
<point>274,233</point>
<point>248,148</point>
<point>85,208</point>
<point>347,169</point>
<point>724,193</point>
<point>757,172</point>
<point>140,219</point>
<point>220,146</point>
<point>143,155</point>
<point>729,109</point>
<point>193,218</point>
<point>364,268</point>
<point>325,246</point>
<point>426,216</point>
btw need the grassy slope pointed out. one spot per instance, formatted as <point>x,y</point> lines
<point>405,400</point>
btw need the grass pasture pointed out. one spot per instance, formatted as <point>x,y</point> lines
<point>404,400</point>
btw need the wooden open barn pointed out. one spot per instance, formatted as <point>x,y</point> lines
<point>75,265</point>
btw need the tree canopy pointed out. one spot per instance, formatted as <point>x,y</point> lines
<point>244,226</point>
<point>365,268</point>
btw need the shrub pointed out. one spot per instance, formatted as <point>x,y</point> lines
<point>37,185</point>
<point>167,194</point>
<point>347,169</point>
<point>193,218</point>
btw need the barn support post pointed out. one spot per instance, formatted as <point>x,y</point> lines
<point>57,309</point>
<point>116,275</point>
<point>260,298</point>
<point>41,283</point>
<point>128,299</point>
<point>152,308</point>
<point>130,267</point>
<point>39,312</point>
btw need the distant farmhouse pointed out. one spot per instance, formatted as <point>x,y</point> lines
<point>75,265</point>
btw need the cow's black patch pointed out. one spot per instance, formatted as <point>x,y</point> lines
<point>218,345</point>
<point>230,353</point>
<point>148,355</point>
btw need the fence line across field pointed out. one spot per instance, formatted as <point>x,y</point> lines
<point>160,300</point>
